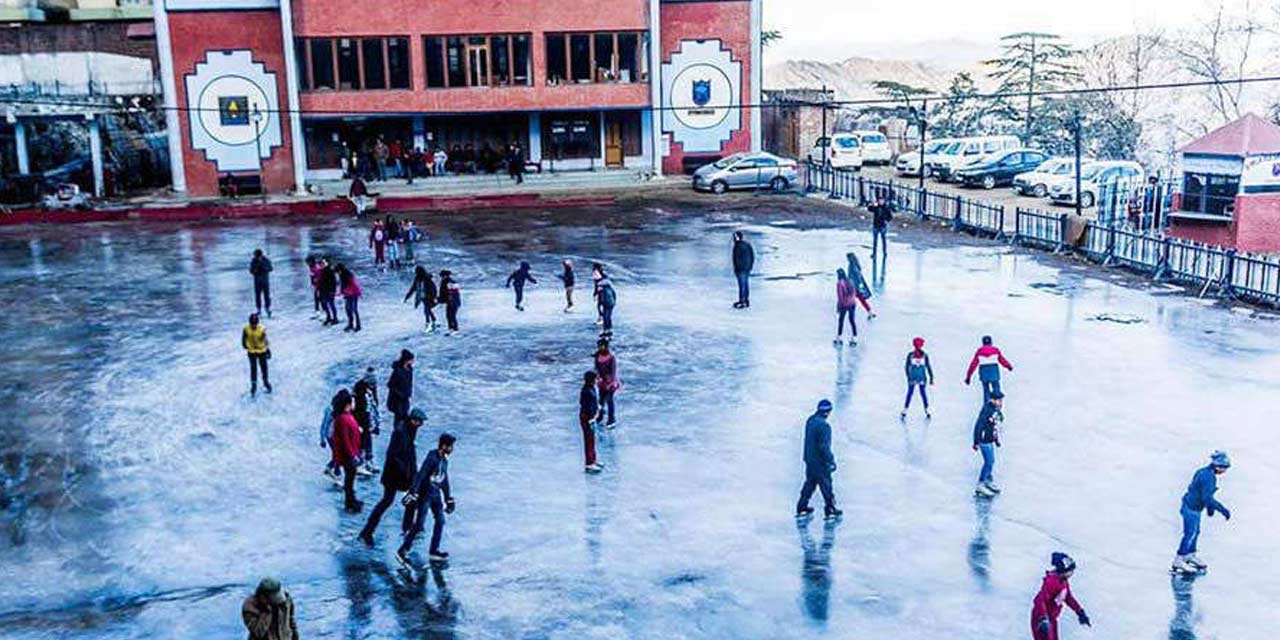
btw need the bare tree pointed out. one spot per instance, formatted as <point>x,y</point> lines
<point>1219,50</point>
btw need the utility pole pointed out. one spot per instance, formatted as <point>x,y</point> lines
<point>826,142</point>
<point>924,111</point>
<point>1031,88</point>
<point>1075,130</point>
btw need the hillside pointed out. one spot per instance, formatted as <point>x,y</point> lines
<point>851,79</point>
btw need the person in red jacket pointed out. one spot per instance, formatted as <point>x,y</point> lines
<point>346,447</point>
<point>1054,592</point>
<point>987,361</point>
<point>846,304</point>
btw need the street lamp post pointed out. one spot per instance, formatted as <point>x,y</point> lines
<point>257,144</point>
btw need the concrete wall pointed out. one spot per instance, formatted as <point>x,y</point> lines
<point>193,35</point>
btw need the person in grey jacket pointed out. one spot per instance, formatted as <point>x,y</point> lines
<point>430,491</point>
<point>819,463</point>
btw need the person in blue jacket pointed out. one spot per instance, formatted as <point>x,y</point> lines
<point>819,463</point>
<point>919,372</point>
<point>517,280</point>
<point>1199,497</point>
<point>429,491</point>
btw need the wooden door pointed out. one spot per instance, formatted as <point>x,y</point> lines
<point>613,143</point>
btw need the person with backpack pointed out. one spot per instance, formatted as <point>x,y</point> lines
<point>410,236</point>
<point>588,408</point>
<point>1055,590</point>
<point>451,297</point>
<point>517,281</point>
<point>919,372</point>
<point>392,227</point>
<point>260,267</point>
<point>861,292</point>
<point>423,291</point>
<point>744,260</point>
<point>987,361</point>
<point>986,437</point>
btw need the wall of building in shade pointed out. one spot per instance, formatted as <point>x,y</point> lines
<point>704,46</point>
<point>1253,227</point>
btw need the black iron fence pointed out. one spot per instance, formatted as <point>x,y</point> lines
<point>1145,249</point>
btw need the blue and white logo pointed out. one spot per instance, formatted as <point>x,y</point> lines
<point>701,96</point>
<point>701,92</point>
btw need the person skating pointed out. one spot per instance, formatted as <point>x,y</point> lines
<point>331,469</point>
<point>567,278</point>
<point>345,445</point>
<point>744,260</point>
<point>410,236</point>
<point>517,281</point>
<point>351,293</point>
<point>1055,590</point>
<point>268,614</point>
<point>314,267</point>
<point>254,340</point>
<point>328,287</point>
<point>515,163</point>
<point>366,414</point>
<point>398,468</point>
<point>881,215</point>
<point>400,386</point>
<point>378,242</point>
<point>859,280</point>
<point>597,274</point>
<point>430,492</point>
<point>846,307</point>
<point>608,300</point>
<point>986,437</point>
<point>1200,497</point>
<point>260,267</point>
<point>819,463</point>
<point>588,409</point>
<point>392,226</point>
<point>987,361</point>
<point>919,375</point>
<point>451,298</point>
<point>607,380</point>
<point>423,291</point>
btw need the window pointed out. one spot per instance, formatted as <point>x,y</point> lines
<point>569,136</point>
<point>581,58</point>
<point>353,64</point>
<point>477,61</point>
<point>300,58</point>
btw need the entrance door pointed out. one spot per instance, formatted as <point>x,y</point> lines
<point>478,64</point>
<point>612,143</point>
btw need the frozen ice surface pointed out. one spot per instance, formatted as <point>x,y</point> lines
<point>145,492</point>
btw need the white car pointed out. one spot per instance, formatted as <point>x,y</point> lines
<point>875,147</point>
<point>968,151</point>
<point>1107,174</point>
<point>839,151</point>
<point>1050,172</point>
<point>909,161</point>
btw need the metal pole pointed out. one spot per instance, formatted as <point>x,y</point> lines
<point>257,143</point>
<point>826,142</point>
<point>924,111</point>
<point>1076,132</point>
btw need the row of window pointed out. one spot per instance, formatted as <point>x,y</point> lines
<point>501,60</point>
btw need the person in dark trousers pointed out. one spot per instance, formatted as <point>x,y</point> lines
<point>378,242</point>
<point>568,280</point>
<point>881,215</point>
<point>314,267</point>
<point>260,267</point>
<point>986,437</point>
<point>398,467</point>
<point>328,287</point>
<point>268,614</point>
<point>1055,590</point>
<point>423,291</point>
<point>451,298</point>
<point>987,361</point>
<point>430,491</point>
<point>597,275</point>
<point>400,386</point>
<point>358,194</point>
<point>254,340</point>
<point>846,306</point>
<point>858,279</point>
<point>919,374</point>
<point>606,368</point>
<point>744,260</point>
<point>366,415</point>
<point>608,300</point>
<point>1200,497</point>
<point>345,445</point>
<point>517,280</point>
<point>819,463</point>
<point>351,293</point>
<point>515,164</point>
<point>588,408</point>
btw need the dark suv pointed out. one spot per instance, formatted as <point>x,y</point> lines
<point>998,169</point>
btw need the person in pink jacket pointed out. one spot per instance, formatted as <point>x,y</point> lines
<point>846,305</point>
<point>351,293</point>
<point>1055,591</point>
<point>607,381</point>
<point>345,445</point>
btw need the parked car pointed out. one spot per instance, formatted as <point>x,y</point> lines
<point>746,171</point>
<point>908,163</point>
<point>999,169</point>
<point>1107,174</point>
<point>875,147</point>
<point>839,151</point>
<point>1037,181</point>
<point>968,151</point>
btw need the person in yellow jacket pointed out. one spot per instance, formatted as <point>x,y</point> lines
<point>254,341</point>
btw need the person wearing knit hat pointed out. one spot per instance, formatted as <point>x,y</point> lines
<point>986,437</point>
<point>819,463</point>
<point>1200,497</point>
<point>919,371</point>
<point>1055,590</point>
<point>268,613</point>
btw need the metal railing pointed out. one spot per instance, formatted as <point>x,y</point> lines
<point>1225,272</point>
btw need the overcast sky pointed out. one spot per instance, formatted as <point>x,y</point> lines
<point>832,30</point>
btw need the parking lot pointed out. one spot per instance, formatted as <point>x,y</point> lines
<point>999,195</point>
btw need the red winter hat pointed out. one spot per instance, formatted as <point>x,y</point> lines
<point>918,342</point>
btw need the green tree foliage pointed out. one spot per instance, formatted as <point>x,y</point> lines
<point>1029,63</point>
<point>961,111</point>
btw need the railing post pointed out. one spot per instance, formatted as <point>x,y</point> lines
<point>1162,265</point>
<point>1000,224</point>
<point>1227,288</point>
<point>1111,245</point>
<point>1062,234</point>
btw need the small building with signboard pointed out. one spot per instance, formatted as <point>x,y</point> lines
<point>287,91</point>
<point>1231,187</point>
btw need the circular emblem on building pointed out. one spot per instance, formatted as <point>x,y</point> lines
<point>700,96</point>
<point>234,110</point>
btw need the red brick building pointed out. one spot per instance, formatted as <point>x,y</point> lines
<point>289,90</point>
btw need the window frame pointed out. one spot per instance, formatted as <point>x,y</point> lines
<point>569,73</point>
<point>492,41</point>
<point>307,67</point>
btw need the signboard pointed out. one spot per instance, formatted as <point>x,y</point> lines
<point>701,96</point>
<point>1261,174</point>
<point>1212,165</point>
<point>234,110</point>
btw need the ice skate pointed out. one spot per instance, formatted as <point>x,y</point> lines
<point>368,466</point>
<point>593,468</point>
<point>519,307</point>
<point>993,487</point>
<point>405,562</point>
<point>804,513</point>
<point>611,426</point>
<point>363,470</point>
<point>982,491</point>
<point>903,415</point>
<point>832,513</point>
<point>354,507</point>
<point>439,556</point>
<point>928,415</point>
<point>837,342</point>
<point>365,539</point>
<point>1182,567</point>
<point>267,386</point>
<point>1196,562</point>
<point>853,342</point>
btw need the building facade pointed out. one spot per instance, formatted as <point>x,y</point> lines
<point>290,90</point>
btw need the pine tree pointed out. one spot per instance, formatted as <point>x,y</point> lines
<point>1031,63</point>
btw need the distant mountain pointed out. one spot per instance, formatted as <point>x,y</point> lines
<point>851,79</point>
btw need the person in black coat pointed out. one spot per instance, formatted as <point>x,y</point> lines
<point>328,287</point>
<point>430,492</point>
<point>881,214</point>
<point>400,386</point>
<point>819,463</point>
<point>398,469</point>
<point>260,267</point>
<point>744,260</point>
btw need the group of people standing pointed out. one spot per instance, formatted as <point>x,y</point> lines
<point>329,279</point>
<point>394,242</point>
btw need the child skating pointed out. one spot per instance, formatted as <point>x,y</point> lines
<point>986,437</point>
<point>588,407</point>
<point>987,361</point>
<point>1200,497</point>
<point>1055,590</point>
<point>568,280</point>
<point>919,374</point>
